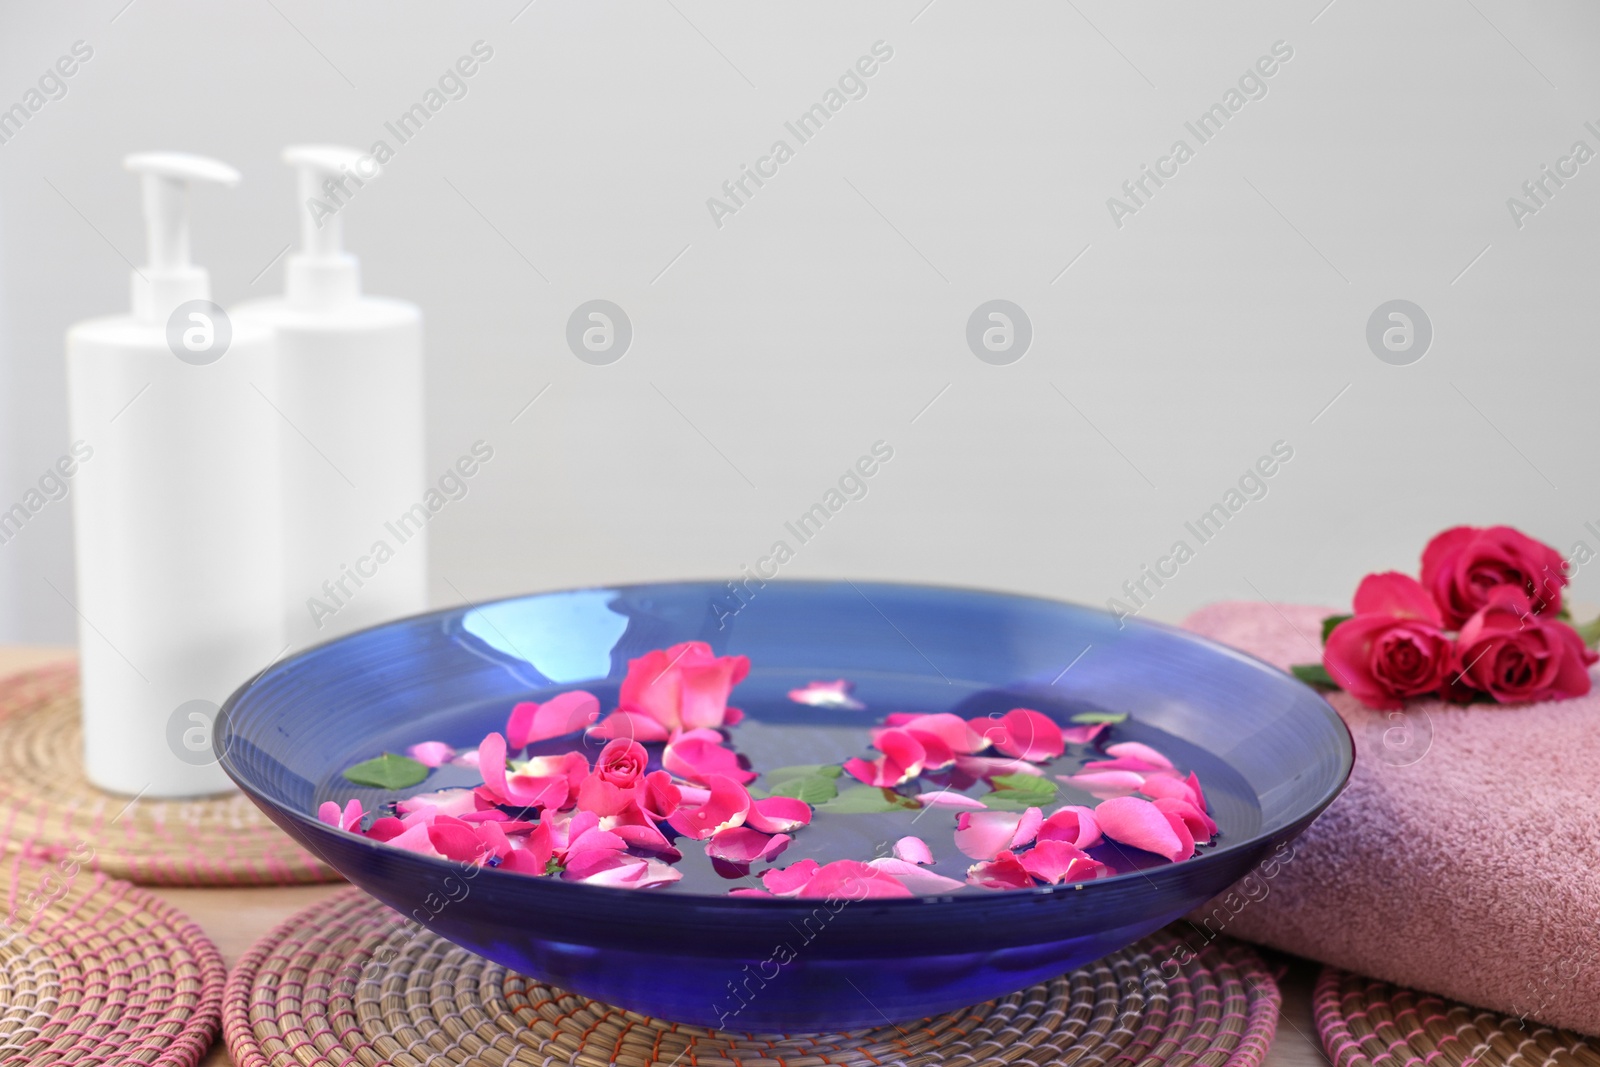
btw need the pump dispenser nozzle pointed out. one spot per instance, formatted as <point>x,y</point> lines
<point>322,274</point>
<point>170,279</point>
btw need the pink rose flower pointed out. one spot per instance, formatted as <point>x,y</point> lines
<point>684,687</point>
<point>1461,566</point>
<point>1517,656</point>
<point>622,763</point>
<point>1393,648</point>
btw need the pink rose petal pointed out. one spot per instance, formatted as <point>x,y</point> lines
<point>454,839</point>
<point>740,844</point>
<point>455,802</point>
<point>728,805</point>
<point>913,850</point>
<point>791,879</point>
<point>627,872</point>
<point>902,760</point>
<point>1198,823</point>
<point>419,813</point>
<point>1105,784</point>
<point>956,733</point>
<point>1142,825</point>
<point>492,837</point>
<point>533,850</point>
<point>1135,750</point>
<point>1128,763</point>
<point>983,835</point>
<point>592,851</point>
<point>913,877</point>
<point>1027,734</point>
<point>416,840</point>
<point>935,752</point>
<point>1005,871</point>
<point>1083,734</point>
<point>556,717</point>
<point>778,815</point>
<point>643,835</point>
<point>1159,786</point>
<point>1056,862</point>
<point>386,828</point>
<point>1180,828</point>
<point>633,725</point>
<point>518,790</point>
<point>603,798</point>
<point>699,754</point>
<point>347,818</point>
<point>949,798</point>
<point>661,797</point>
<point>329,814</point>
<point>827,695</point>
<point>556,827</point>
<point>524,861</point>
<point>852,880</point>
<point>987,767</point>
<point>690,796</point>
<point>431,753</point>
<point>1074,824</point>
<point>870,772</point>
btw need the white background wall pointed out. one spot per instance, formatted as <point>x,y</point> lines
<point>827,313</point>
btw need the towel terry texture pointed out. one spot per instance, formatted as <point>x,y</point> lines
<point>1464,856</point>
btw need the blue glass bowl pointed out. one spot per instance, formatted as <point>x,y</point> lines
<point>1270,751</point>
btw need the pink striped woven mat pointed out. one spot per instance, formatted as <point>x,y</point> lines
<point>50,811</point>
<point>94,971</point>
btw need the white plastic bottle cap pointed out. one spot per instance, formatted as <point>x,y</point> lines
<point>169,278</point>
<point>322,274</point>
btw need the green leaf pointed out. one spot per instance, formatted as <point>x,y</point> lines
<point>804,770</point>
<point>553,866</point>
<point>867,800</point>
<point>1006,800</point>
<point>810,782</point>
<point>811,790</point>
<point>1025,783</point>
<point>1018,792</point>
<point>388,771</point>
<point>1314,674</point>
<point>1330,622</point>
<point>1089,718</point>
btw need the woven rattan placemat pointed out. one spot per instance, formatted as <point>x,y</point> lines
<point>49,810</point>
<point>94,970</point>
<point>1367,1023</point>
<point>314,992</point>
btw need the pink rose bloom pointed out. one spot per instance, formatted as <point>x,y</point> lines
<point>1461,566</point>
<point>684,687</point>
<point>1393,648</point>
<point>622,763</point>
<point>1516,656</point>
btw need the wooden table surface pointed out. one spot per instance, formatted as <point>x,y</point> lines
<point>235,918</point>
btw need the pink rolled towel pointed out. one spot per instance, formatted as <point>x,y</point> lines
<point>1464,856</point>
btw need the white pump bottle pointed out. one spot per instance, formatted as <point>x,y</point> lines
<point>350,383</point>
<point>175,508</point>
